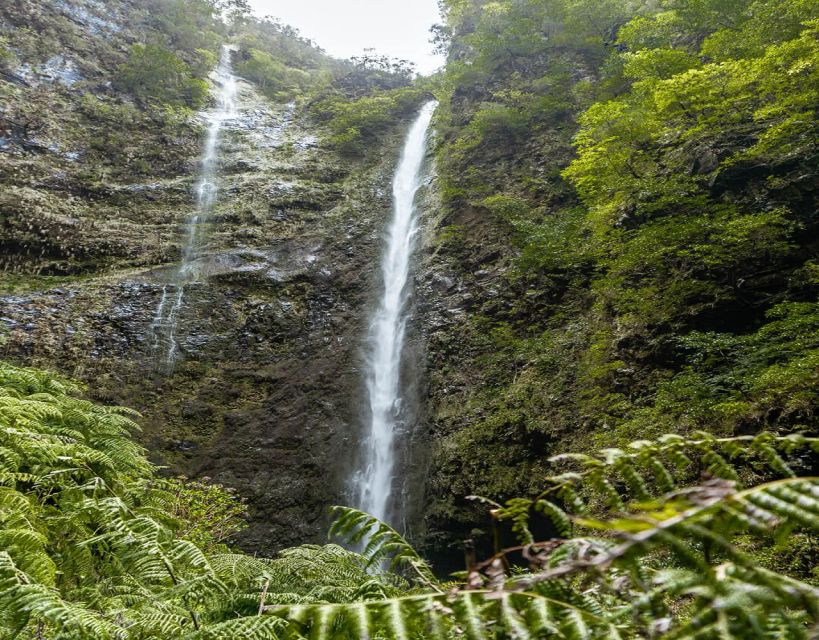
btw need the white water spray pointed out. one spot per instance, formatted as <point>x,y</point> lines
<point>373,483</point>
<point>165,320</point>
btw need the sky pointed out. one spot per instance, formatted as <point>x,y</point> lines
<point>344,28</point>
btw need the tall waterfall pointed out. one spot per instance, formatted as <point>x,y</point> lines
<point>388,326</point>
<point>165,320</point>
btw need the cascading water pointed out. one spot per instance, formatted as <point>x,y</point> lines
<point>373,482</point>
<point>167,314</point>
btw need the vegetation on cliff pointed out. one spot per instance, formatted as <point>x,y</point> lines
<point>634,185</point>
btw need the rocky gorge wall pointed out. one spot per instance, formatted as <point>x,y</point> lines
<point>264,398</point>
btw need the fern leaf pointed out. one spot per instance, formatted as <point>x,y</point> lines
<point>382,542</point>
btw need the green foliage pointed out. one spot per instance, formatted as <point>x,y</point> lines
<point>671,246</point>
<point>673,565</point>
<point>287,66</point>
<point>94,546</point>
<point>62,459</point>
<point>90,542</point>
<point>154,74</point>
<point>210,513</point>
<point>380,542</point>
<point>6,53</point>
<point>185,26</point>
<point>283,43</point>
<point>633,286</point>
<point>274,78</point>
<point>355,124</point>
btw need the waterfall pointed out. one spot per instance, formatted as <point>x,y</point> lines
<point>373,482</point>
<point>165,320</point>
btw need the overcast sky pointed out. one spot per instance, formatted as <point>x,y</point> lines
<point>344,28</point>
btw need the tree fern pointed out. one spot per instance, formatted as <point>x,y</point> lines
<point>25,600</point>
<point>88,545</point>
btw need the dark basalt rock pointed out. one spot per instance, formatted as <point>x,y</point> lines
<point>263,397</point>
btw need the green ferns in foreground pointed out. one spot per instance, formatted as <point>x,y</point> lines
<point>673,563</point>
<point>89,547</point>
<point>642,546</point>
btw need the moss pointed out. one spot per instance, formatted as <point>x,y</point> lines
<point>11,283</point>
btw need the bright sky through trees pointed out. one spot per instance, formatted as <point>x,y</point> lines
<point>344,28</point>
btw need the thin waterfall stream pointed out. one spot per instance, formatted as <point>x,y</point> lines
<point>166,318</point>
<point>373,482</point>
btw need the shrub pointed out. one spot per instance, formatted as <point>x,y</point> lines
<point>153,74</point>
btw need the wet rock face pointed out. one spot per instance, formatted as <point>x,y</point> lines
<point>264,394</point>
<point>462,278</point>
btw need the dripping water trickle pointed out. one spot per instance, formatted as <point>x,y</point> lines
<point>165,320</point>
<point>373,482</point>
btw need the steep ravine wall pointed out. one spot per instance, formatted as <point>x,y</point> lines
<point>264,398</point>
<point>463,444</point>
<point>267,396</point>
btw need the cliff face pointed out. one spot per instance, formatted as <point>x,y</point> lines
<point>600,263</point>
<point>264,397</point>
<point>627,239</point>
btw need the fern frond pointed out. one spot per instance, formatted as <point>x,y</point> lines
<point>382,542</point>
<point>28,600</point>
<point>250,628</point>
<point>478,615</point>
<point>237,568</point>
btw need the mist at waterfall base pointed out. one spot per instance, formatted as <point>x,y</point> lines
<point>166,318</point>
<point>373,482</point>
